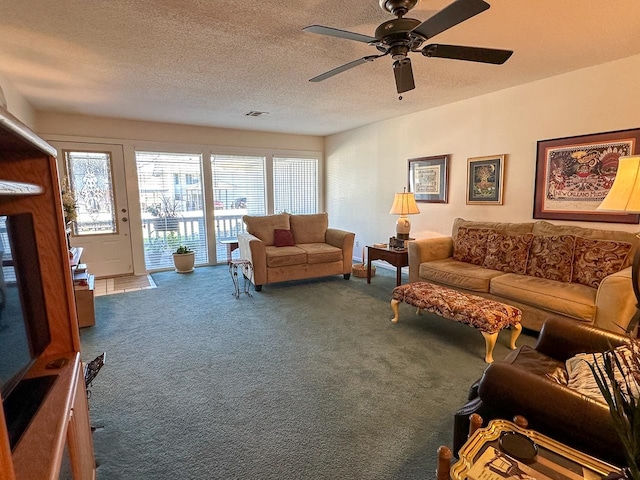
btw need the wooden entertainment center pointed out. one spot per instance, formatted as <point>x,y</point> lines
<point>61,425</point>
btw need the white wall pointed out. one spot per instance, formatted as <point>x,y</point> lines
<point>17,105</point>
<point>366,166</point>
<point>125,131</point>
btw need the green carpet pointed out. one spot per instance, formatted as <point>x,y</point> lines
<point>305,380</point>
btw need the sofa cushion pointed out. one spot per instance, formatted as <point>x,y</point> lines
<point>595,259</point>
<point>569,299</point>
<point>309,228</point>
<point>508,253</point>
<point>546,228</point>
<point>321,252</point>
<point>283,238</point>
<point>551,257</point>
<point>470,245</point>
<point>283,256</point>
<point>263,226</point>
<point>453,273</point>
<point>506,228</point>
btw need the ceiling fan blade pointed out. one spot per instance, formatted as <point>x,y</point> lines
<point>449,16</point>
<point>334,32</point>
<point>404,75</point>
<point>470,54</point>
<point>345,67</point>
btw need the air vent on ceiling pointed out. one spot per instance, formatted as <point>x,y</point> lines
<point>255,113</point>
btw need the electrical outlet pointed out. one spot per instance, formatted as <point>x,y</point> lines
<point>357,243</point>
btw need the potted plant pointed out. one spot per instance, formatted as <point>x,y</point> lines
<point>166,213</point>
<point>184,259</point>
<point>68,202</point>
<point>618,379</point>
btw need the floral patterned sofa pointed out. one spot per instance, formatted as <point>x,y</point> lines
<point>545,270</point>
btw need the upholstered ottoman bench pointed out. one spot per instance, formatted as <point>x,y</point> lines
<point>486,315</point>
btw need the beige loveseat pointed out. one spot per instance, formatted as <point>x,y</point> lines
<point>293,247</point>
<point>546,270</point>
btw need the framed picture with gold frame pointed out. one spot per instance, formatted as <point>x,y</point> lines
<point>485,180</point>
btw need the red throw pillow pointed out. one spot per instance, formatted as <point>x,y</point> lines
<point>283,238</point>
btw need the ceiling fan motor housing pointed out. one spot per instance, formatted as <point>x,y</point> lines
<point>397,29</point>
<point>396,38</point>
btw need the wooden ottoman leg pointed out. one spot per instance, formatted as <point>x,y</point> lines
<point>515,333</point>
<point>490,342</point>
<point>394,307</point>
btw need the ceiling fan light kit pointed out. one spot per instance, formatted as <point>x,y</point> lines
<point>401,36</point>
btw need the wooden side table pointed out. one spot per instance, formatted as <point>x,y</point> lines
<point>481,456</point>
<point>397,258</point>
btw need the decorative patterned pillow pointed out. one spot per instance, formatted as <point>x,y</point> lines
<point>283,238</point>
<point>470,245</point>
<point>508,253</point>
<point>595,259</point>
<point>551,257</point>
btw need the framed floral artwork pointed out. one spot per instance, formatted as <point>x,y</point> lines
<point>574,174</point>
<point>429,178</point>
<point>485,179</point>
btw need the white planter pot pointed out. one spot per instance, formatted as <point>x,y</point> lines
<point>184,262</point>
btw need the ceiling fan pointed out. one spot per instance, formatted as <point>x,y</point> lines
<point>402,35</point>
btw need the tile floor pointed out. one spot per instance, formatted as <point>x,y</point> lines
<point>128,283</point>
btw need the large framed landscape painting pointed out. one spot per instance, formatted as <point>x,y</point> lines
<point>574,174</point>
<point>428,178</point>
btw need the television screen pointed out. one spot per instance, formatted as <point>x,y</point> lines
<point>24,327</point>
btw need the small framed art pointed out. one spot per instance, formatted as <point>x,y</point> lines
<point>485,180</point>
<point>574,174</point>
<point>429,178</point>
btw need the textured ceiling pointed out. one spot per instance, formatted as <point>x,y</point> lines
<point>209,62</point>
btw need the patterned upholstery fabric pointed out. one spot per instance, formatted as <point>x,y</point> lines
<point>486,315</point>
<point>551,257</point>
<point>595,259</point>
<point>508,253</point>
<point>470,245</point>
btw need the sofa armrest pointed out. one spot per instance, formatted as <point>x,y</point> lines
<point>550,408</point>
<point>254,250</point>
<point>344,241</point>
<point>562,339</point>
<point>426,250</point>
<point>615,302</point>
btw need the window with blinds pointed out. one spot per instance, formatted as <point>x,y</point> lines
<point>171,205</point>
<point>295,185</point>
<point>239,188</point>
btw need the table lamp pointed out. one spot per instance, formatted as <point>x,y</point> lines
<point>403,204</point>
<point>624,196</point>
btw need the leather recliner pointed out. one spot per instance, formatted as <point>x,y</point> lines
<point>519,385</point>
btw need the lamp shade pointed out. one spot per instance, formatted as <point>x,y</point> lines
<point>624,195</point>
<point>404,204</point>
